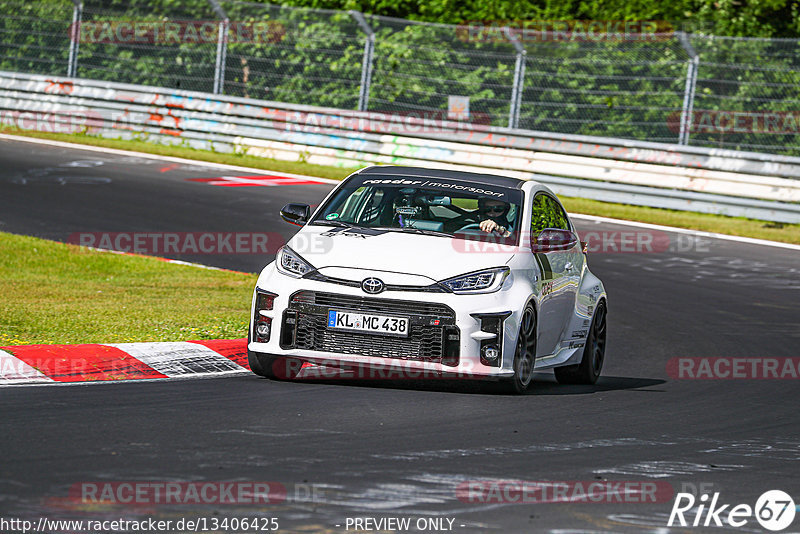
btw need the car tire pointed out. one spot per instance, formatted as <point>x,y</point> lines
<point>588,371</point>
<point>274,367</point>
<point>271,366</point>
<point>525,353</point>
<point>254,361</point>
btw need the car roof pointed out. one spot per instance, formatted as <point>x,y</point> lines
<point>472,177</point>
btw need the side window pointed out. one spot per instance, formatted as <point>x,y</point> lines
<point>547,213</point>
<point>372,207</point>
<point>349,209</point>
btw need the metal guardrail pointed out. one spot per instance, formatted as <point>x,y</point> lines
<point>642,80</point>
<point>728,182</point>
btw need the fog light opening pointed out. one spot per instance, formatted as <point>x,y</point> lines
<point>491,349</point>
<point>263,330</point>
<point>260,323</point>
<point>490,353</point>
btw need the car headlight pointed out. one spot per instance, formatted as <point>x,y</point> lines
<point>291,263</point>
<point>486,281</point>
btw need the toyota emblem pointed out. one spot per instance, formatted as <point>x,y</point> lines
<point>372,286</point>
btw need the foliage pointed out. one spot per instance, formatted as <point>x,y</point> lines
<point>753,18</point>
<point>620,88</point>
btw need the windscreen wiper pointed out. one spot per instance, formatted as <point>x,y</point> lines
<point>415,230</point>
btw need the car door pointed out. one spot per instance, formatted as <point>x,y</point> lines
<point>559,275</point>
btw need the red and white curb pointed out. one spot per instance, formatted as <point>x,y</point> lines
<point>54,364</point>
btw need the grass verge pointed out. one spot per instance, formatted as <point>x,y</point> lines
<point>54,293</point>
<point>787,233</point>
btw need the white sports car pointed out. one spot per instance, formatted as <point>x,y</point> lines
<point>443,273</point>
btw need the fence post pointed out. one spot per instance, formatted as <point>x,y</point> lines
<point>366,63</point>
<point>689,89</point>
<point>74,38</point>
<point>519,79</point>
<point>222,47</point>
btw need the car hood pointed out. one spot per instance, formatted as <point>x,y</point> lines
<point>434,257</point>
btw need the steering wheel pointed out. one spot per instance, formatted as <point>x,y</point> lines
<point>475,227</point>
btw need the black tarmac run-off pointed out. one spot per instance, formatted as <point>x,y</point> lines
<point>383,450</point>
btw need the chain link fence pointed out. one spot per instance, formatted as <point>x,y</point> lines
<point>669,87</point>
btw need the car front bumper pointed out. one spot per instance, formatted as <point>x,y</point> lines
<point>457,318</point>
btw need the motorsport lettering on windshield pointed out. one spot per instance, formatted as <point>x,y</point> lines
<point>442,184</point>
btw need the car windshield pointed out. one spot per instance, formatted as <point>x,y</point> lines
<point>445,207</point>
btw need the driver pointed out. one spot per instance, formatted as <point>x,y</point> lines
<point>495,216</point>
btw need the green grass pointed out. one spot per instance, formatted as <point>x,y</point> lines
<point>788,233</point>
<point>54,293</point>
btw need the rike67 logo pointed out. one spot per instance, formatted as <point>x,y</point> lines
<point>774,510</point>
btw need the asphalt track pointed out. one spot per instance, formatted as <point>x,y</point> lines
<point>389,449</point>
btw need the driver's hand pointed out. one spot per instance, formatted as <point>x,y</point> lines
<point>489,226</point>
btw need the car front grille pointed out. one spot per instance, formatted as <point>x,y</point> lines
<point>432,288</point>
<point>433,336</point>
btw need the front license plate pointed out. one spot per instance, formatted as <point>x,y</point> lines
<point>368,323</point>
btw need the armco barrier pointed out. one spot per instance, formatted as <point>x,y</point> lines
<point>755,185</point>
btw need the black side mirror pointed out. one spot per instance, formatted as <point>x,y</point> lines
<point>554,239</point>
<point>296,213</point>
